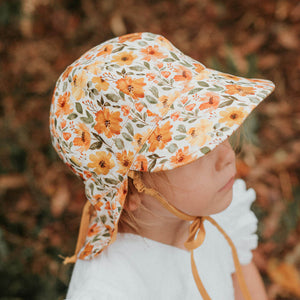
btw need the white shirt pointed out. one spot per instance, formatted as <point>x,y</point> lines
<point>137,268</point>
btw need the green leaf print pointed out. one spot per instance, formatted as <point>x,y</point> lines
<point>127,137</point>
<point>72,116</point>
<point>130,128</point>
<point>119,143</point>
<point>150,99</point>
<point>205,150</point>
<point>96,145</point>
<point>103,219</point>
<point>193,91</point>
<point>112,97</point>
<point>154,91</point>
<point>202,83</point>
<point>181,128</point>
<point>179,137</point>
<point>78,107</point>
<point>174,55</point>
<point>226,103</point>
<point>172,148</point>
<point>111,181</point>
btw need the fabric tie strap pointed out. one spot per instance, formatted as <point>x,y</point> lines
<point>196,236</point>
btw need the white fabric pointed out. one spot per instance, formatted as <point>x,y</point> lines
<point>138,268</point>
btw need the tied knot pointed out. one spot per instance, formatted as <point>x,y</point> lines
<point>195,240</point>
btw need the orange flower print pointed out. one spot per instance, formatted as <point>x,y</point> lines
<point>139,140</point>
<point>198,135</point>
<point>105,50</point>
<point>184,100</point>
<point>132,87</point>
<point>166,101</point>
<point>66,135</point>
<point>184,74</point>
<point>95,67</point>
<point>130,37</point>
<point>86,251</point>
<point>160,137</point>
<point>124,58</point>
<point>93,230</point>
<point>175,115</point>
<point>141,163</point>
<point>67,72</point>
<point>181,157</point>
<point>100,83</point>
<point>165,43</point>
<point>166,74</point>
<point>139,106</point>
<point>199,68</point>
<point>151,76</point>
<point>232,115</point>
<point>83,139</point>
<point>203,74</point>
<point>125,109</point>
<point>63,124</point>
<point>78,85</point>
<point>190,107</point>
<point>108,122</point>
<point>63,105</point>
<point>229,76</point>
<point>152,53</point>
<point>124,160</point>
<point>99,204</point>
<point>101,162</point>
<point>212,101</point>
<point>238,89</point>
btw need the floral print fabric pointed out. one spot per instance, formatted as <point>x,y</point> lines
<point>138,103</point>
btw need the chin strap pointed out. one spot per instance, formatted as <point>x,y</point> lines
<point>196,235</point>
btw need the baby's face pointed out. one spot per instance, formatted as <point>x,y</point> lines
<point>203,187</point>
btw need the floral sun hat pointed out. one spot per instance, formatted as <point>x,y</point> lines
<point>138,103</point>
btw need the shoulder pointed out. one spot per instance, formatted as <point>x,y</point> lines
<point>121,271</point>
<point>110,275</point>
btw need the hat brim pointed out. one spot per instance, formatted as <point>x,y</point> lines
<point>210,110</point>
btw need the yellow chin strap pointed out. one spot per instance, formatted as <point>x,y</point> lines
<point>196,235</point>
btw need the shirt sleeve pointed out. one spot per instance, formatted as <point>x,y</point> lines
<point>239,222</point>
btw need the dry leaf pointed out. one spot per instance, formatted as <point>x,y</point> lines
<point>286,275</point>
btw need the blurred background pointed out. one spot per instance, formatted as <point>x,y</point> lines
<point>41,200</point>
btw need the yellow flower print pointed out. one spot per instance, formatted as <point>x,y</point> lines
<point>105,50</point>
<point>108,122</point>
<point>233,89</point>
<point>101,162</point>
<point>166,101</point>
<point>131,37</point>
<point>83,139</point>
<point>233,115</point>
<point>198,135</point>
<point>86,251</point>
<point>203,74</point>
<point>95,67</point>
<point>139,140</point>
<point>100,83</point>
<point>124,58</point>
<point>141,163</point>
<point>132,87</point>
<point>63,105</point>
<point>165,43</point>
<point>78,85</point>
<point>124,160</point>
<point>160,137</point>
<point>229,76</point>
<point>152,53</point>
<point>181,157</point>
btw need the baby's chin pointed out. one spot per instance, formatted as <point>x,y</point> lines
<point>223,203</point>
